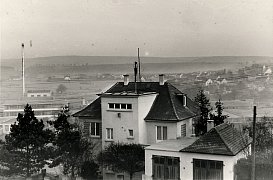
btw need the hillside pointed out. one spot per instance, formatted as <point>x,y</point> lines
<point>121,65</point>
<point>96,60</point>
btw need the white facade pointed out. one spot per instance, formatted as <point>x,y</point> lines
<point>121,121</point>
<point>186,162</point>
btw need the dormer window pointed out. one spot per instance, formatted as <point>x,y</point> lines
<point>184,100</point>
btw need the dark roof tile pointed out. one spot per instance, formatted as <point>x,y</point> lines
<point>167,105</point>
<point>223,139</point>
<point>92,111</point>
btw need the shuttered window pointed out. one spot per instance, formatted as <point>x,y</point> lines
<point>183,130</point>
<point>165,167</point>
<point>207,169</point>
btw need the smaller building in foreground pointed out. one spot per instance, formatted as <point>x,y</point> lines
<point>212,156</point>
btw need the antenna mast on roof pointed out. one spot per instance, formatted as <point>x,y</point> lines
<point>135,71</point>
<point>23,69</point>
<point>139,76</point>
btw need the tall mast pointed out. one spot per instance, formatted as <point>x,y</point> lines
<point>23,69</point>
<point>139,76</point>
<point>135,72</point>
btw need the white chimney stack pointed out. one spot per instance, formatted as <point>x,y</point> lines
<point>161,79</point>
<point>126,79</point>
<point>210,124</point>
<point>83,101</point>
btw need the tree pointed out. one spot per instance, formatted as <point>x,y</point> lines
<point>218,117</point>
<point>204,108</point>
<point>89,170</point>
<point>61,89</point>
<point>264,135</point>
<point>123,158</point>
<point>72,150</point>
<point>263,149</point>
<point>28,144</point>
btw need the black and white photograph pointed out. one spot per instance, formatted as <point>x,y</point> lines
<point>136,90</point>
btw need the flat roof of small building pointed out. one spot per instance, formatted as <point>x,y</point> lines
<point>172,144</point>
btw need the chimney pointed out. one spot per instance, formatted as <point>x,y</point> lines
<point>126,79</point>
<point>83,101</point>
<point>210,124</point>
<point>161,79</point>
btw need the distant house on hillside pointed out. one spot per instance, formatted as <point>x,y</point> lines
<point>67,78</point>
<point>212,156</point>
<point>209,82</point>
<point>268,72</point>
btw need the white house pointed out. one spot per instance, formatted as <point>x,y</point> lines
<point>138,112</point>
<point>39,93</point>
<point>209,82</point>
<point>212,156</point>
<point>5,124</point>
<point>268,72</point>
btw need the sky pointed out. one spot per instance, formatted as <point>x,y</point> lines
<point>175,28</point>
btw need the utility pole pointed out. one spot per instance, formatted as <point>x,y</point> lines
<point>139,76</point>
<point>23,69</point>
<point>253,174</point>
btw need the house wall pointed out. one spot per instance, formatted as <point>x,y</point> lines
<point>186,165</point>
<point>149,162</point>
<point>151,130</point>
<point>5,128</point>
<point>144,105</point>
<point>96,140</point>
<point>129,119</point>
<point>188,123</point>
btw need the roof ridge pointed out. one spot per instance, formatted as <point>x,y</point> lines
<point>86,107</point>
<point>151,106</point>
<point>172,103</point>
<point>222,137</point>
<point>112,87</point>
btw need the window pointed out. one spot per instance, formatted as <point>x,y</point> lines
<point>183,130</point>
<point>94,129</point>
<point>32,95</point>
<point>207,169</point>
<point>165,167</point>
<point>111,106</point>
<point>123,106</point>
<point>6,128</point>
<point>45,95</point>
<point>161,132</point>
<point>119,106</point>
<point>131,133</point>
<point>109,133</point>
<point>129,106</point>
